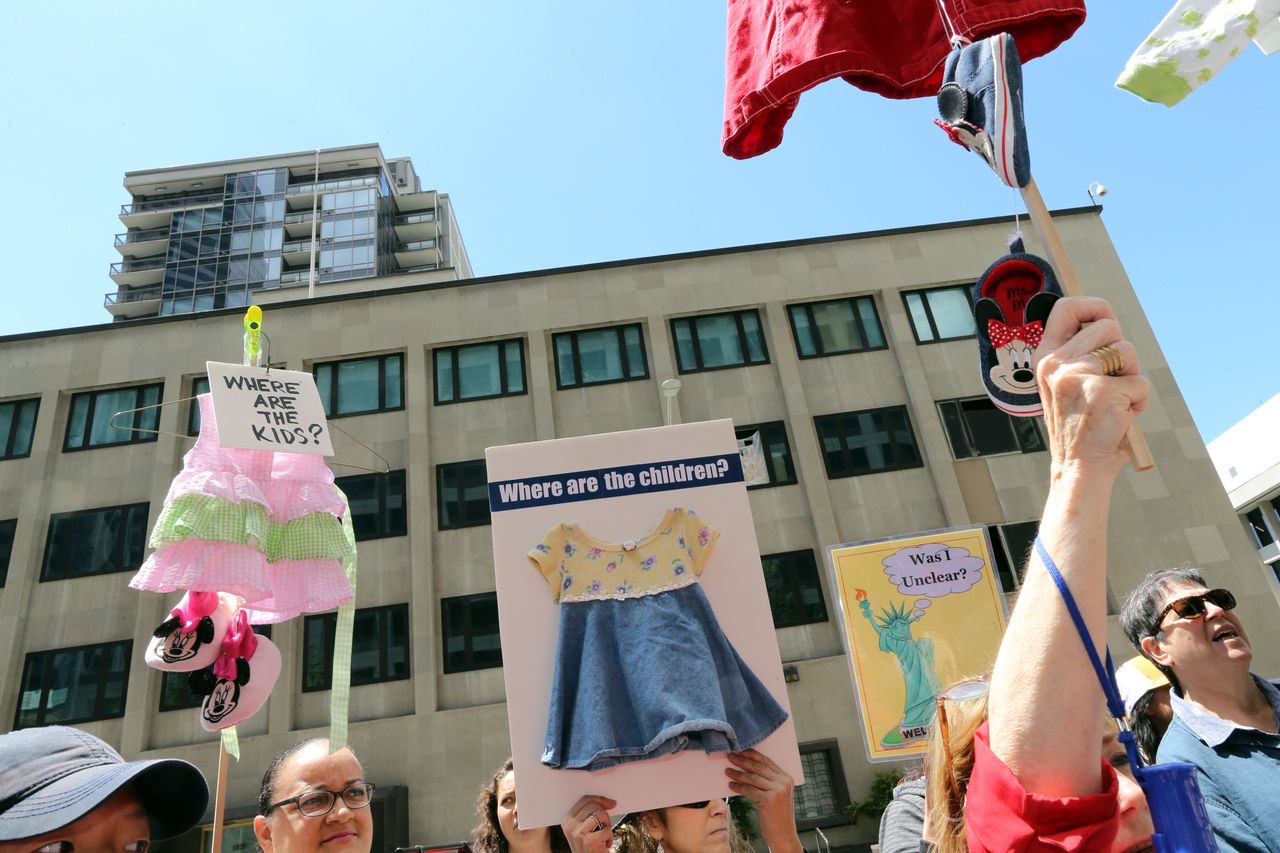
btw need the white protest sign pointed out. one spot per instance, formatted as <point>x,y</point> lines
<point>623,493</point>
<point>260,409</point>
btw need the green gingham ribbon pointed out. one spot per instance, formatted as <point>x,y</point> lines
<point>231,742</point>
<point>340,690</point>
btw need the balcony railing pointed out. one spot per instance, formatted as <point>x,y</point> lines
<point>144,236</point>
<point>141,294</point>
<point>326,186</point>
<point>294,246</point>
<point>295,218</point>
<point>207,298</point>
<point>326,275</point>
<point>416,218</point>
<point>137,266</point>
<point>415,246</point>
<point>178,202</point>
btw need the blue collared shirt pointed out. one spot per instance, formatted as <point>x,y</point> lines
<point>1239,771</point>
<point>1211,728</point>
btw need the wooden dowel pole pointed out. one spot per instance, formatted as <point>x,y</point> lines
<point>1139,452</point>
<point>219,798</point>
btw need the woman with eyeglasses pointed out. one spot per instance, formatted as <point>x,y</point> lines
<point>499,828</point>
<point>312,800</point>
<point>700,827</point>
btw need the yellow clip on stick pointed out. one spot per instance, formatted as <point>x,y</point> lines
<point>253,336</point>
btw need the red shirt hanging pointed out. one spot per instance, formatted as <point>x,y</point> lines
<point>777,49</point>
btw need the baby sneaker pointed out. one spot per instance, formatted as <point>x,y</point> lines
<point>1011,303</point>
<point>240,680</point>
<point>188,639</point>
<point>981,106</point>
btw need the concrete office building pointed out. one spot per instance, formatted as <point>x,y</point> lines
<point>217,235</point>
<point>1247,459</point>
<point>853,356</point>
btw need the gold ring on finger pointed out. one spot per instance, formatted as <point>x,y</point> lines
<point>1110,359</point>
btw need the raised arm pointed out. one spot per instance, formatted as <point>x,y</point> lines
<point>1045,704</point>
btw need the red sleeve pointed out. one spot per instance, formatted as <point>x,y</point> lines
<point>1001,817</point>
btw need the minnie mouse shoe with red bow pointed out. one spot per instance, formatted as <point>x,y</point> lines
<point>1011,303</point>
<point>240,680</point>
<point>188,639</point>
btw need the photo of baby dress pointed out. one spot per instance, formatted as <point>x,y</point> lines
<point>642,667</point>
<point>264,526</point>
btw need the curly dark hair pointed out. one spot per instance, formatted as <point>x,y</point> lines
<point>487,837</point>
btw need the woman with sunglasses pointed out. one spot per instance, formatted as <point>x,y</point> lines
<point>312,800</point>
<point>701,827</point>
<point>1225,719</point>
<point>1039,779</point>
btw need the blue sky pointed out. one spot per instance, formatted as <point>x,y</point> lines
<point>576,132</point>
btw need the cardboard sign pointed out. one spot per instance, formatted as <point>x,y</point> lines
<point>260,409</point>
<point>919,613</point>
<point>624,492</point>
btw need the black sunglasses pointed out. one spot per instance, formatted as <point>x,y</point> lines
<point>1192,606</point>
<point>701,804</point>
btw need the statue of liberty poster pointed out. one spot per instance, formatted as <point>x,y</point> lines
<point>919,613</point>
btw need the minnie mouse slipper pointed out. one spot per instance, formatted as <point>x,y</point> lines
<point>187,640</point>
<point>234,690</point>
<point>1011,303</point>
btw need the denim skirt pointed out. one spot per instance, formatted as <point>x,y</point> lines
<point>636,678</point>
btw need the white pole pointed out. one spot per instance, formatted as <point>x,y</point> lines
<point>315,221</point>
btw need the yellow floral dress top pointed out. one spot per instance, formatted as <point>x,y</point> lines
<point>643,668</point>
<point>580,567</point>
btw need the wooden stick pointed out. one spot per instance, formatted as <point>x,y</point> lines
<point>219,798</point>
<point>1139,452</point>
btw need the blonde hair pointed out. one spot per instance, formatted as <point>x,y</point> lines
<point>945,816</point>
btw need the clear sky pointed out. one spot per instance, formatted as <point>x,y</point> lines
<point>574,132</point>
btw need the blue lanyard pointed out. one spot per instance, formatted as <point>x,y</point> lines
<point>1106,675</point>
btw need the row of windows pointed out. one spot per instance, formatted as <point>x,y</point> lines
<point>497,369</point>
<point>88,682</point>
<point>112,539</point>
<point>221,242</point>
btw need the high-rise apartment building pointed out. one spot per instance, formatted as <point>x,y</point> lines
<point>216,235</point>
<point>853,357</point>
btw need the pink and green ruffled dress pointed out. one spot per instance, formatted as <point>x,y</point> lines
<point>269,527</point>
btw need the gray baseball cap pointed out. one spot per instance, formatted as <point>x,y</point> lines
<point>55,775</point>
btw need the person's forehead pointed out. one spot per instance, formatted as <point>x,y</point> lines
<point>313,766</point>
<point>507,783</point>
<point>1180,589</point>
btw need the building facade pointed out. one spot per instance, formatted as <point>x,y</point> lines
<point>853,357</point>
<point>215,235</point>
<point>1247,459</point>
